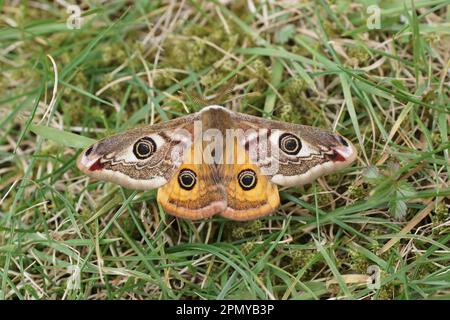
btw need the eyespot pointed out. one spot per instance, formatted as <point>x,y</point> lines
<point>144,148</point>
<point>290,144</point>
<point>247,179</point>
<point>187,179</point>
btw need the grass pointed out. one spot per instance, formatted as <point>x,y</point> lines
<point>64,236</point>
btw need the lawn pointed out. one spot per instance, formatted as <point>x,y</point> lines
<point>379,229</point>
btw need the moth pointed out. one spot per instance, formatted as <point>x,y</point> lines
<point>217,161</point>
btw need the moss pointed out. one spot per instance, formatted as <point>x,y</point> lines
<point>375,245</point>
<point>358,55</point>
<point>6,204</point>
<point>334,289</point>
<point>389,290</point>
<point>260,255</point>
<point>238,233</point>
<point>97,113</point>
<point>218,74</point>
<point>292,92</point>
<point>194,51</point>
<point>436,138</point>
<point>73,111</point>
<point>260,72</point>
<point>300,258</point>
<point>331,29</point>
<point>164,80</point>
<point>289,114</point>
<point>356,191</point>
<point>112,54</point>
<point>240,8</point>
<point>298,109</point>
<point>439,216</point>
<point>430,96</point>
<point>241,229</point>
<point>199,55</point>
<point>23,76</point>
<point>51,148</point>
<point>255,226</point>
<point>357,262</point>
<point>302,51</point>
<point>117,90</point>
<point>247,247</point>
<point>432,38</point>
<point>324,197</point>
<point>333,178</point>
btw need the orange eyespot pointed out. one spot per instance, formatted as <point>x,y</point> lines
<point>187,179</point>
<point>247,179</point>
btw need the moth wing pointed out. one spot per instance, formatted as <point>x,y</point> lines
<point>194,192</point>
<point>319,151</point>
<point>250,194</point>
<point>115,158</point>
